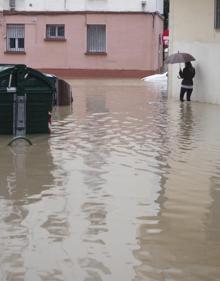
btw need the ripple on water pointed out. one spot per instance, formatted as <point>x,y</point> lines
<point>126,187</point>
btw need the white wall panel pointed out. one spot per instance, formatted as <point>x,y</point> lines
<point>90,5</point>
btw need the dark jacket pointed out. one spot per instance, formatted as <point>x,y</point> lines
<point>187,75</point>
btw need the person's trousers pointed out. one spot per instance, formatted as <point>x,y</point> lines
<point>188,93</point>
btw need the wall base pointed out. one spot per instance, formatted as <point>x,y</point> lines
<point>98,73</point>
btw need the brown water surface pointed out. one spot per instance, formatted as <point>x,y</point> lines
<point>126,187</point>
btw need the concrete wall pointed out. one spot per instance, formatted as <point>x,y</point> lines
<point>132,42</point>
<point>82,5</point>
<point>192,30</point>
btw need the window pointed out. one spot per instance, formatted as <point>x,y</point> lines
<point>12,4</point>
<point>54,31</point>
<point>217,13</point>
<point>15,37</point>
<point>96,38</point>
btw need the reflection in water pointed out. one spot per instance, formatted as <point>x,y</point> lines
<point>21,163</point>
<point>125,188</point>
<point>96,103</point>
<point>94,178</point>
<point>27,180</point>
<point>173,243</point>
<point>186,124</point>
<point>213,221</point>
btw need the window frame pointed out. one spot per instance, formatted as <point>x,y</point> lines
<point>99,50</point>
<point>19,45</point>
<point>55,37</point>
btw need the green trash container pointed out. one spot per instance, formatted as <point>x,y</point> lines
<point>26,100</point>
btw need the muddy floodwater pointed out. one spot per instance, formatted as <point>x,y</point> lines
<point>126,188</point>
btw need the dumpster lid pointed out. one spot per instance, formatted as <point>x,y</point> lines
<point>12,70</point>
<point>5,66</point>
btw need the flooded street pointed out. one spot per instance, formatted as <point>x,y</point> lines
<point>126,188</point>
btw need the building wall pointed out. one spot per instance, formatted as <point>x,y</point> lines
<point>83,5</point>
<point>132,42</point>
<point>192,30</point>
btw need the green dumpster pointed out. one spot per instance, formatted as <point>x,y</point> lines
<point>26,100</point>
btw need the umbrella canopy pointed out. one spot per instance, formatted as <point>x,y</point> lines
<point>179,58</point>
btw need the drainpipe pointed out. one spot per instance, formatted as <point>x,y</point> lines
<point>170,47</point>
<point>153,40</point>
<point>153,17</point>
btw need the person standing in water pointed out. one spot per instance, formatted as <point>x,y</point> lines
<point>187,74</point>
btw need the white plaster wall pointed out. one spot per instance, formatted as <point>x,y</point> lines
<point>194,32</point>
<point>91,5</point>
<point>1,5</point>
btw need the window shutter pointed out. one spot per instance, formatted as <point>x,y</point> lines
<point>96,38</point>
<point>15,31</point>
<point>217,14</point>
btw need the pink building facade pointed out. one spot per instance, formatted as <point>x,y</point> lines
<point>73,44</point>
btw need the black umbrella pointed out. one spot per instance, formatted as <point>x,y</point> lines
<point>179,58</point>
